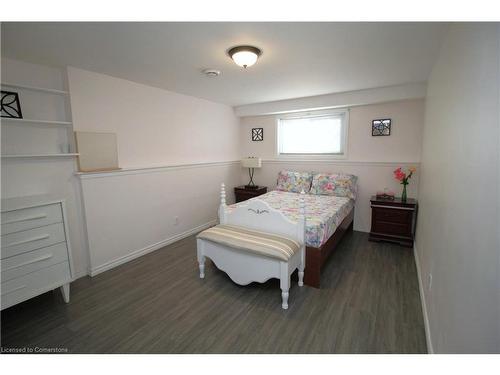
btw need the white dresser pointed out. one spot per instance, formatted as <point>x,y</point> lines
<point>35,254</point>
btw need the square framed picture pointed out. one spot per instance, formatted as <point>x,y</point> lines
<point>381,127</point>
<point>9,105</point>
<point>257,134</point>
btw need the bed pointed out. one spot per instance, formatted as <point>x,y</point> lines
<point>244,247</point>
<point>329,212</point>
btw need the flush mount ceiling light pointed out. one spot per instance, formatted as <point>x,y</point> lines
<point>244,56</point>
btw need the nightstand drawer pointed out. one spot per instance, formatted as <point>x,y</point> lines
<point>393,220</point>
<point>247,194</point>
<point>392,228</point>
<point>242,194</point>
<point>392,215</point>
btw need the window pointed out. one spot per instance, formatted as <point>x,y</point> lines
<point>313,134</point>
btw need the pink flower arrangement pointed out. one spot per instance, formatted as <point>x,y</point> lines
<point>402,177</point>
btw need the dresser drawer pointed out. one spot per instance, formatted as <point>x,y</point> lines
<point>32,261</point>
<point>28,218</point>
<point>32,284</point>
<point>29,240</point>
<point>392,215</point>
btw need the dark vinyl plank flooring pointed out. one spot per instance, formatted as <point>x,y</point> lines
<point>369,303</point>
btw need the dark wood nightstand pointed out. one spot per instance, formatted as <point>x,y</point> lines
<point>242,193</point>
<point>393,220</point>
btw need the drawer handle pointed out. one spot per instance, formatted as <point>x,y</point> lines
<point>42,216</point>
<point>39,238</point>
<point>14,290</point>
<point>394,208</point>
<point>41,259</point>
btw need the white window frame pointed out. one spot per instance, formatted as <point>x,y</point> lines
<point>321,156</point>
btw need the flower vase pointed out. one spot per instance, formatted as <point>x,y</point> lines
<point>403,195</point>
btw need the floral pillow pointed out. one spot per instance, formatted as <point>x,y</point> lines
<point>294,182</point>
<point>338,184</point>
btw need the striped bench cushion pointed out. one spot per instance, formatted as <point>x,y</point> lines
<point>261,243</point>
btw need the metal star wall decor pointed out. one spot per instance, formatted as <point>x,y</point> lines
<point>9,105</point>
<point>381,127</point>
<point>257,134</point>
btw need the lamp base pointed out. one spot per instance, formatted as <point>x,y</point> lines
<point>251,186</point>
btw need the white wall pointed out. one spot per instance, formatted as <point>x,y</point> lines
<point>457,232</point>
<point>22,177</point>
<point>153,126</point>
<point>336,100</point>
<point>134,211</point>
<point>372,159</point>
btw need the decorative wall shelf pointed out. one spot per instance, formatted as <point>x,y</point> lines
<point>35,122</point>
<point>50,152</point>
<point>39,156</point>
<point>33,88</point>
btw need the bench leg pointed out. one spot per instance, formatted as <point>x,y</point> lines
<point>284,299</point>
<point>201,264</point>
<point>284,284</point>
<point>201,258</point>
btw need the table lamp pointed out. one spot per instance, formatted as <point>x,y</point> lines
<point>251,163</point>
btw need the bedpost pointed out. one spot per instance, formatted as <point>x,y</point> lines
<point>302,236</point>
<point>302,218</point>
<point>222,207</point>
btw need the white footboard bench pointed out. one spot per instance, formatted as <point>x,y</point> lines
<point>255,242</point>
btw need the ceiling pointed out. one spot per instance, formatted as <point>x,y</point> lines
<point>299,59</point>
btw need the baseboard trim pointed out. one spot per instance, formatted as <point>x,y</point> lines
<point>145,250</point>
<point>79,275</point>
<point>428,338</point>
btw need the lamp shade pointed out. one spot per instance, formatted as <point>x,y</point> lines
<point>251,162</point>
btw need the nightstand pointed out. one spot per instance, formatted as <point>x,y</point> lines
<point>393,220</point>
<point>242,193</point>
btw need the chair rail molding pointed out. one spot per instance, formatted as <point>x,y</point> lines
<point>152,169</point>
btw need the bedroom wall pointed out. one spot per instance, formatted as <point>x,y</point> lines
<point>49,175</point>
<point>372,159</point>
<point>457,235</point>
<point>174,149</point>
<point>153,126</point>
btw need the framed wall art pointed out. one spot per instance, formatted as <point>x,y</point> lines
<point>257,134</point>
<point>9,105</point>
<point>381,127</point>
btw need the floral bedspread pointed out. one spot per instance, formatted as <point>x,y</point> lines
<point>324,213</point>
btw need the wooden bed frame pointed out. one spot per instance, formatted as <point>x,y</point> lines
<point>317,256</point>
